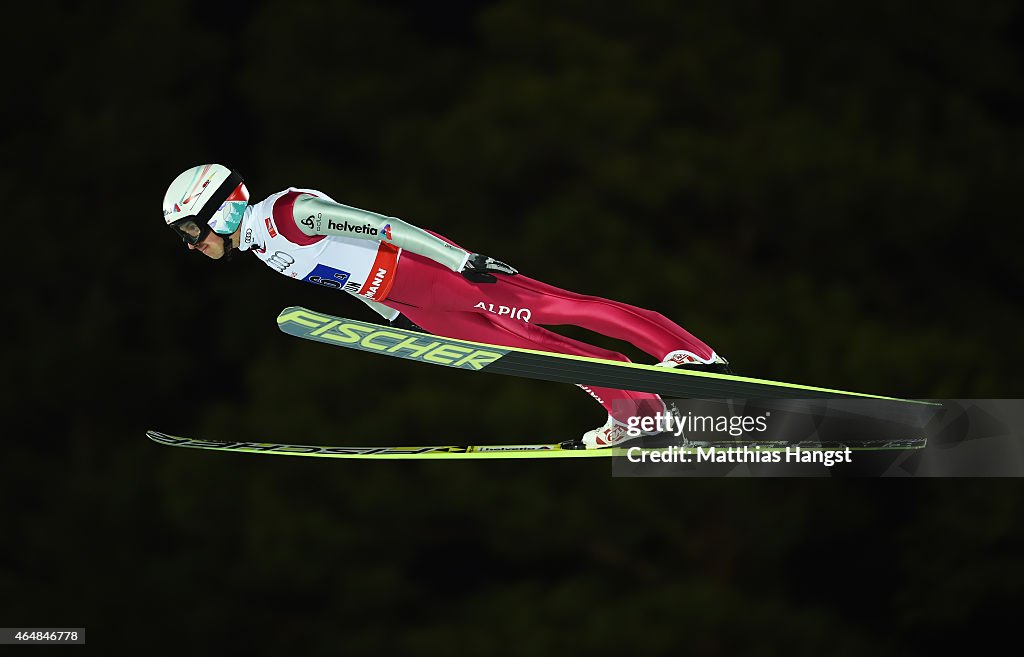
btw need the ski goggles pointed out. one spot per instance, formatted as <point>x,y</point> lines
<point>190,231</point>
<point>224,222</point>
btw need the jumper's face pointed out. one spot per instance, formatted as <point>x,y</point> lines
<point>211,246</point>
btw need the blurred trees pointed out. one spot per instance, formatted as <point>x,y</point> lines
<point>826,194</point>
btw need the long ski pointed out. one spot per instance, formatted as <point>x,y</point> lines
<point>554,450</point>
<point>549,366</point>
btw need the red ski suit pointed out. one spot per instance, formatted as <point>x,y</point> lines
<point>512,311</point>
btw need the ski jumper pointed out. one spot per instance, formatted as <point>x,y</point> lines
<point>397,268</point>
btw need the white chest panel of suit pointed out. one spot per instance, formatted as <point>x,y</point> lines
<point>363,267</point>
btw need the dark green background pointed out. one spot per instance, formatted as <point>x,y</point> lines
<point>827,195</point>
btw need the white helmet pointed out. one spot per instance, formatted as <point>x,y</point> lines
<point>204,198</point>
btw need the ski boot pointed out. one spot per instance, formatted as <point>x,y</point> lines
<point>687,360</point>
<point>611,434</point>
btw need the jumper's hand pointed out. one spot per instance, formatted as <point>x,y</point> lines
<point>481,269</point>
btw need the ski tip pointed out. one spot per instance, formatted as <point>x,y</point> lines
<point>292,310</point>
<point>295,314</point>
